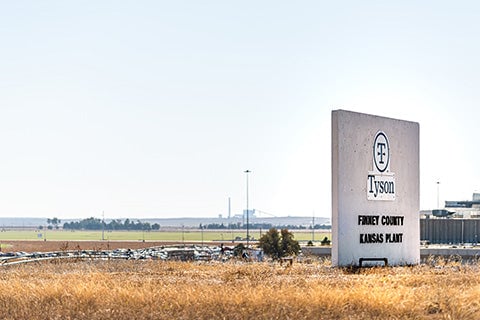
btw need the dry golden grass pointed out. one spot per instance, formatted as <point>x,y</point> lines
<point>234,290</point>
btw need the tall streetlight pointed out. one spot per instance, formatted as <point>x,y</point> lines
<point>438,194</point>
<point>248,230</point>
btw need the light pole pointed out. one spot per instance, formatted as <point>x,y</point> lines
<point>438,194</point>
<point>248,230</point>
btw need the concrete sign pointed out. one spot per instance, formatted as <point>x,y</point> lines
<point>375,190</point>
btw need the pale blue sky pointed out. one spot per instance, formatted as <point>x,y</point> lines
<point>155,108</point>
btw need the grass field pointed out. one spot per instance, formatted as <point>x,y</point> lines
<point>237,290</point>
<point>187,235</point>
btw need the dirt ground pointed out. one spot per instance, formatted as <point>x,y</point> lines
<point>47,246</point>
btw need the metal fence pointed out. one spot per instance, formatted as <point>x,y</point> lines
<point>450,230</point>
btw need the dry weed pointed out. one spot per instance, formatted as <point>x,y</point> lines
<point>176,290</point>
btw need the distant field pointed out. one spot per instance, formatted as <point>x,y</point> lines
<point>187,235</point>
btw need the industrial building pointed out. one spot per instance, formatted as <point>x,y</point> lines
<point>458,223</point>
<point>468,209</point>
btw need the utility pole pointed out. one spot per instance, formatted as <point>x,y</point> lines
<point>313,227</point>
<point>183,235</point>
<point>103,225</point>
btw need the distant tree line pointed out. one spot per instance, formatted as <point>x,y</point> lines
<point>240,226</point>
<point>322,226</point>
<point>97,224</point>
<point>54,222</point>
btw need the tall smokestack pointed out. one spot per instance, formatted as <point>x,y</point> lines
<point>229,208</point>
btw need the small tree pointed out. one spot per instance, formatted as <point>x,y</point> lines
<point>289,245</point>
<point>278,245</point>
<point>270,243</point>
